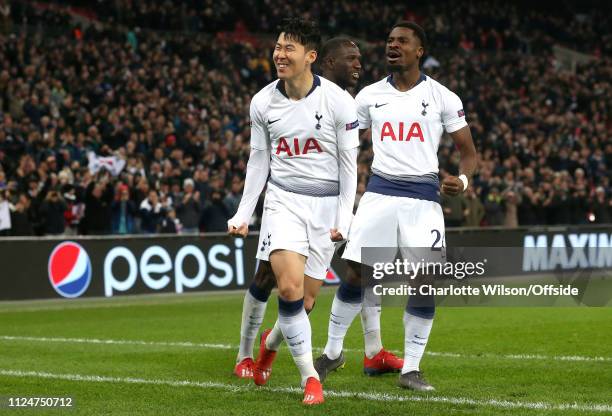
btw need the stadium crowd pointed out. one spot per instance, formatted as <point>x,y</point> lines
<point>113,129</point>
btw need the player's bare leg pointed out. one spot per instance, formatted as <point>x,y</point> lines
<point>293,321</point>
<point>253,311</point>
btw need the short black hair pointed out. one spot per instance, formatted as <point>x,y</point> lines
<point>303,31</point>
<point>332,45</point>
<point>418,31</point>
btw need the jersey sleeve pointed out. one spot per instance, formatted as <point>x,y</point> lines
<point>363,111</point>
<point>347,123</point>
<point>453,116</point>
<point>260,137</point>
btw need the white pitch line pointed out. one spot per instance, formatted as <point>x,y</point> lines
<point>101,302</point>
<point>538,357</point>
<point>96,304</point>
<point>119,342</point>
<point>381,397</point>
<point>188,344</point>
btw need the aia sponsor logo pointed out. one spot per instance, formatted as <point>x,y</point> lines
<point>402,132</point>
<point>311,145</point>
<point>69,269</point>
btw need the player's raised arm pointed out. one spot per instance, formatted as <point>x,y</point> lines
<point>258,168</point>
<point>453,118</point>
<point>347,133</point>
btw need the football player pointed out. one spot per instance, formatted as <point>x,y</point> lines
<point>304,136</point>
<point>408,112</point>
<point>339,63</point>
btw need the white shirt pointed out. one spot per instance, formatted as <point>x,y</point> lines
<point>304,137</point>
<point>407,126</point>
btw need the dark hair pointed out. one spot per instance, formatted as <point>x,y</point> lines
<point>332,45</point>
<point>418,31</point>
<point>305,32</point>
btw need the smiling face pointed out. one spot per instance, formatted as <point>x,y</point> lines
<point>346,66</point>
<point>291,58</point>
<point>403,50</point>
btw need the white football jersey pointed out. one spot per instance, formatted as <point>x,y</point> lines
<point>305,136</point>
<point>407,126</point>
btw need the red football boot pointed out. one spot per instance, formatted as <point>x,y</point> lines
<point>313,392</point>
<point>263,365</point>
<point>381,363</point>
<point>244,369</point>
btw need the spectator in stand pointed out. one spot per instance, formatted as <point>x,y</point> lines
<point>174,105</point>
<point>151,213</point>
<point>98,201</point>
<point>454,209</point>
<point>75,210</point>
<point>124,211</point>
<point>494,213</point>
<point>474,209</point>
<point>215,213</point>
<point>20,221</point>
<point>52,211</point>
<point>511,201</point>
<point>579,203</point>
<point>188,209</point>
<point>170,224</point>
<point>232,199</point>
<point>529,207</point>
<point>601,207</point>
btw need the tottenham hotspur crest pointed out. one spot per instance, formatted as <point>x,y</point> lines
<point>265,242</point>
<point>425,105</point>
<point>318,117</point>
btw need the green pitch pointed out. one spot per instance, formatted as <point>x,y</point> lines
<point>173,355</point>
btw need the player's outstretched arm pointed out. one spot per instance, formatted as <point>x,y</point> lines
<point>256,177</point>
<point>454,185</point>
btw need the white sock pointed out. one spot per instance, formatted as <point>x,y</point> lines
<point>297,332</point>
<point>253,312</point>
<point>370,321</point>
<point>275,338</point>
<point>305,365</point>
<point>415,340</point>
<point>340,319</point>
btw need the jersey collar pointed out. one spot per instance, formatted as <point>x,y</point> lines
<point>422,78</point>
<point>316,82</point>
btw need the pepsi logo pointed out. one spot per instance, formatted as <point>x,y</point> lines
<point>69,269</point>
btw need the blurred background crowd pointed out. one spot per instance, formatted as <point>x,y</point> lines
<point>132,116</point>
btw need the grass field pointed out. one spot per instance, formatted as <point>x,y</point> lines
<point>174,355</point>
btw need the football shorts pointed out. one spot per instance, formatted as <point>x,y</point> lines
<point>298,223</point>
<point>394,221</point>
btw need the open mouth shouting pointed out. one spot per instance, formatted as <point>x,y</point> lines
<point>393,56</point>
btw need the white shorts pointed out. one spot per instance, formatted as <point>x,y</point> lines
<point>394,221</point>
<point>301,224</point>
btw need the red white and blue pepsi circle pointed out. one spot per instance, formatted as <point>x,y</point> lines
<point>69,269</point>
